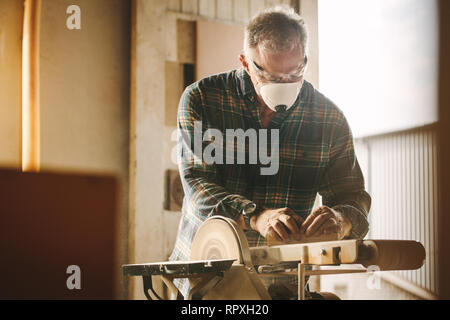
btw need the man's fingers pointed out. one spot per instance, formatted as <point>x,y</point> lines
<point>330,224</point>
<point>309,219</point>
<point>279,228</point>
<point>300,233</point>
<point>272,234</point>
<point>288,211</point>
<point>299,220</point>
<point>279,224</point>
<point>290,222</point>
<point>318,221</point>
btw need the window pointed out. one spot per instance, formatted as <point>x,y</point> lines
<point>378,62</point>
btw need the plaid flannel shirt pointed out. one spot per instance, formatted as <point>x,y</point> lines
<point>316,155</point>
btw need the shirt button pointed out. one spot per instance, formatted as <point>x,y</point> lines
<point>252,98</point>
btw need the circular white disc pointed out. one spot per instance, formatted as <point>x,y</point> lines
<point>216,239</point>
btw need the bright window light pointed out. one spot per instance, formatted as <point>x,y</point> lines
<point>378,62</point>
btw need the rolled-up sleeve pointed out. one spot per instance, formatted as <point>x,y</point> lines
<point>342,186</point>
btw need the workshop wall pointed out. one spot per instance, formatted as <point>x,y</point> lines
<point>84,84</point>
<point>84,92</point>
<point>11,16</point>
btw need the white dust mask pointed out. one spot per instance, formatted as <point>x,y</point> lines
<point>279,96</point>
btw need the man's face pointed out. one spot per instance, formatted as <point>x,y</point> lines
<point>280,67</point>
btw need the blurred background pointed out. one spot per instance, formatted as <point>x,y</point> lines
<point>89,91</point>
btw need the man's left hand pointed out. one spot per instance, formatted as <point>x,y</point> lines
<point>326,221</point>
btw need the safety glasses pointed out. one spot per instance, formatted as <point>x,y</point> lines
<point>293,77</point>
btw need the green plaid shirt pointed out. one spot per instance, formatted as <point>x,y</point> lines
<point>316,155</point>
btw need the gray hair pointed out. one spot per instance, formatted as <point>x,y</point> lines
<point>276,29</point>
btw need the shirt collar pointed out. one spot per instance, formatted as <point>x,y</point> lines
<point>245,82</point>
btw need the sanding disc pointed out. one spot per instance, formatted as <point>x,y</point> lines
<point>216,239</point>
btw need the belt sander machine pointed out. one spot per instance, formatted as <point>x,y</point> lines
<point>222,266</point>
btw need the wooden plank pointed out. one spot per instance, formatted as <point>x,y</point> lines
<point>225,53</point>
<point>319,253</point>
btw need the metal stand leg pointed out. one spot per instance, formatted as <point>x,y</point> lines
<point>168,281</point>
<point>147,282</point>
<point>207,282</point>
<point>301,281</point>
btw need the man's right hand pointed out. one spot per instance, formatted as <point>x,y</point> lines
<point>280,224</point>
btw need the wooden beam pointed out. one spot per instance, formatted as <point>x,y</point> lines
<point>444,152</point>
<point>132,162</point>
<point>30,87</point>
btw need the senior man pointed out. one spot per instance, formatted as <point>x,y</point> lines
<point>313,141</point>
